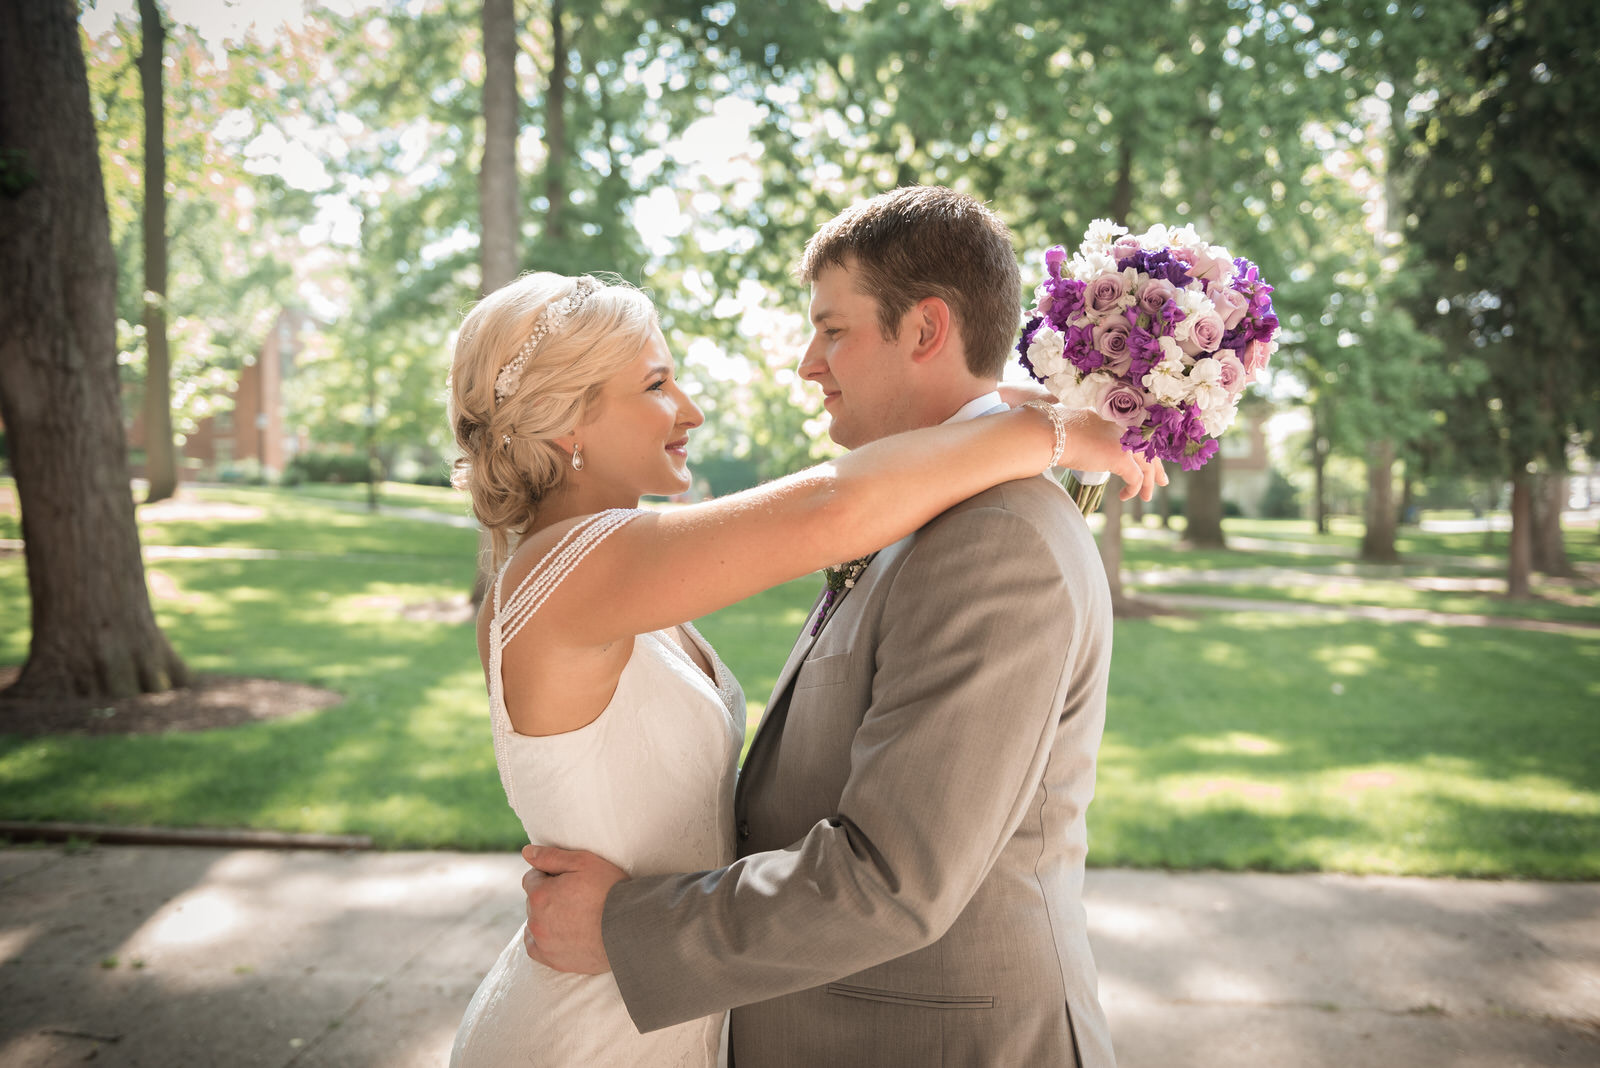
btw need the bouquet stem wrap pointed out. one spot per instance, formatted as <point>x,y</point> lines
<point>1086,488</point>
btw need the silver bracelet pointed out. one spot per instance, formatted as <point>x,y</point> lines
<point>1058,422</point>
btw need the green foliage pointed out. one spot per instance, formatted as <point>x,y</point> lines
<point>1504,207</point>
<point>231,233</point>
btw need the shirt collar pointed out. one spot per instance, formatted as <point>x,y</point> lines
<point>976,407</point>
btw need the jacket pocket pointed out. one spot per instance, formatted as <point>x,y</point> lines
<point>920,1001</point>
<point>823,671</point>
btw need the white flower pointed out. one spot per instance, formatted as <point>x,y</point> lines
<point>1192,302</point>
<point>1158,236</point>
<point>1217,420</point>
<point>1044,352</point>
<point>1205,386</point>
<point>1166,381</point>
<point>1100,236</point>
<point>1186,236</point>
<point>1087,266</point>
<point>1063,383</point>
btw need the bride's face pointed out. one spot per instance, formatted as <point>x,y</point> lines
<point>636,441</point>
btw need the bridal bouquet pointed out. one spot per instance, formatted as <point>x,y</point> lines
<point>1159,333</point>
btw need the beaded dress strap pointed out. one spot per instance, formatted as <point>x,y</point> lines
<point>543,578</point>
<point>512,613</point>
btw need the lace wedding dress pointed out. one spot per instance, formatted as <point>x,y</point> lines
<point>648,786</point>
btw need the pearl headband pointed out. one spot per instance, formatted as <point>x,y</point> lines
<point>505,383</point>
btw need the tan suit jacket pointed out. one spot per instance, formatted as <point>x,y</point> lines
<point>910,819</point>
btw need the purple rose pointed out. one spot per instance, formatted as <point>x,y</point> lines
<point>1105,293</point>
<point>1111,338</point>
<point>1230,303</point>
<point>1154,294</point>
<point>1123,404</point>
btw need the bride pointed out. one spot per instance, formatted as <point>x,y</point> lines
<point>616,727</point>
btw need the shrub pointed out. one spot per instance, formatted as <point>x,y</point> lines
<point>327,467</point>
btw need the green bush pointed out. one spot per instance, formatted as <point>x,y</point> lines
<point>1282,499</point>
<point>327,467</point>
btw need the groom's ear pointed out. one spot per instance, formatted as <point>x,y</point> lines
<point>929,318</point>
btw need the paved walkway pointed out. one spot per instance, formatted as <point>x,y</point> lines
<point>169,956</point>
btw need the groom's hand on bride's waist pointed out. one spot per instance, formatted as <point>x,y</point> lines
<point>566,892</point>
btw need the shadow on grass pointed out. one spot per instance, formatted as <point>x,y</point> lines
<point>1259,741</point>
<point>407,758</point>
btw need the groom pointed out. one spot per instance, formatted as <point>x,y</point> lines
<point>910,817</point>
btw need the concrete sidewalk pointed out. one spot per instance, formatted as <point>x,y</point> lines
<point>165,956</point>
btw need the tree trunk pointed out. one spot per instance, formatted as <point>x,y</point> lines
<point>1377,541</point>
<point>498,219</point>
<point>93,633</point>
<point>1520,559</point>
<point>1165,495</point>
<point>1549,550</point>
<point>1203,507</point>
<point>1408,497</point>
<point>1319,471</point>
<point>161,460</point>
<point>1111,537</point>
<point>555,131</point>
<point>497,175</point>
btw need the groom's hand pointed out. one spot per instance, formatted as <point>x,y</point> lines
<point>566,894</point>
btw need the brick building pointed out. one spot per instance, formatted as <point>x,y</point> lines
<point>255,436</point>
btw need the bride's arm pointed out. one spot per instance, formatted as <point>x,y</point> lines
<point>665,568</point>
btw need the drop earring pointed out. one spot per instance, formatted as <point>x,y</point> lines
<point>577,459</point>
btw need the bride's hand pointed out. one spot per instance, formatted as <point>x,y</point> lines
<point>1016,394</point>
<point>1095,444</point>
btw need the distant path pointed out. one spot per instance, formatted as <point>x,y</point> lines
<point>1366,611</point>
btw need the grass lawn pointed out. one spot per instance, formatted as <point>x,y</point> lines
<point>1233,740</point>
<point>1572,606</point>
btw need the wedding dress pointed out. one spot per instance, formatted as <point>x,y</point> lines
<point>648,786</point>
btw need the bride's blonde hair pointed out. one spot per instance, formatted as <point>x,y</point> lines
<point>508,462</point>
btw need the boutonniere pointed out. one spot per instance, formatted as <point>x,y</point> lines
<point>841,577</point>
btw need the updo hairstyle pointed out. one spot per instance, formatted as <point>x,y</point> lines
<point>559,382</point>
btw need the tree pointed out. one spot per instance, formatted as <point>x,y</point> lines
<point>161,459</point>
<point>93,630</point>
<point>1503,209</point>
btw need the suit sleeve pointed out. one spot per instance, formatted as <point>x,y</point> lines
<point>950,752</point>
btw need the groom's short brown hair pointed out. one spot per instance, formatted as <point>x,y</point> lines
<point>929,241</point>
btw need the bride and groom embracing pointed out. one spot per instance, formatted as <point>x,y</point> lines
<point>895,877</point>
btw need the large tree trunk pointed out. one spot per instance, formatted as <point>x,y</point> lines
<point>93,631</point>
<point>1203,507</point>
<point>1377,541</point>
<point>497,182</point>
<point>161,460</point>
<point>1520,559</point>
<point>1548,547</point>
<point>555,131</point>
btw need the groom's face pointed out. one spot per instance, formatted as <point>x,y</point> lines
<point>859,371</point>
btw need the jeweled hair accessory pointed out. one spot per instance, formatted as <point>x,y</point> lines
<point>505,383</point>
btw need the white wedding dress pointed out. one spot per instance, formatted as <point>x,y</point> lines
<point>648,786</point>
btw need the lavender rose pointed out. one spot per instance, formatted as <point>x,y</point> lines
<point>1123,404</point>
<point>1154,294</point>
<point>1111,338</point>
<point>1124,247</point>
<point>1204,333</point>
<point>1105,294</point>
<point>1230,374</point>
<point>1230,303</point>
